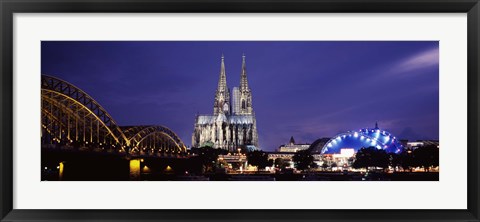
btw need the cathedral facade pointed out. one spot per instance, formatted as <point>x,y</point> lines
<point>233,123</point>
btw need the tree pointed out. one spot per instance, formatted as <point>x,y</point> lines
<point>406,159</point>
<point>208,157</point>
<point>281,163</point>
<point>324,165</point>
<point>259,159</point>
<point>370,157</point>
<point>278,162</point>
<point>303,160</point>
<point>426,157</point>
<point>395,160</point>
<point>334,165</point>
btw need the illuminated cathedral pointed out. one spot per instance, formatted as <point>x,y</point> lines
<point>233,123</point>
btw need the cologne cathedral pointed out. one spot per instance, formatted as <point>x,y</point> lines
<point>233,123</point>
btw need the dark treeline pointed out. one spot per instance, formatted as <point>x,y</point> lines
<point>370,157</point>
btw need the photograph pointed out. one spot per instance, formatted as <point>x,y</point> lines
<point>240,111</point>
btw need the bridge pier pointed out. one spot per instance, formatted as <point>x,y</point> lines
<point>135,169</point>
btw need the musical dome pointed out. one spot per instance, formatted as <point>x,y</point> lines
<point>367,137</point>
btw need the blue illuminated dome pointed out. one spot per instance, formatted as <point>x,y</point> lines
<point>375,137</point>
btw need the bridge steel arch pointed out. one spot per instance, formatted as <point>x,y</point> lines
<point>67,110</point>
<point>155,138</point>
<point>70,116</point>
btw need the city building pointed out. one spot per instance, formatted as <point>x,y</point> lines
<point>233,124</point>
<point>292,147</point>
<point>420,143</point>
<point>280,155</point>
<point>336,161</point>
<point>235,161</point>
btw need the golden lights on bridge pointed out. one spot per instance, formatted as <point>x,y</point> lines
<point>72,119</point>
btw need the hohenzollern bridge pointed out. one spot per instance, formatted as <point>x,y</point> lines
<point>73,121</point>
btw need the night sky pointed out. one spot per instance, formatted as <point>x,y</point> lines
<point>307,90</point>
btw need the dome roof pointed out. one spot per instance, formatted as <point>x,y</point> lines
<point>317,145</point>
<point>375,137</point>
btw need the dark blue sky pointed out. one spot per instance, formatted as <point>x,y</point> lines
<point>303,89</point>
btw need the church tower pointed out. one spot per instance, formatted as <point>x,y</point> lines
<point>222,95</point>
<point>233,124</point>
<point>245,99</point>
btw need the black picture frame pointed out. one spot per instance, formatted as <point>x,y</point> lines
<point>9,7</point>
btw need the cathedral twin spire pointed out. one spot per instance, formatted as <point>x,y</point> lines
<point>222,81</point>
<point>222,95</point>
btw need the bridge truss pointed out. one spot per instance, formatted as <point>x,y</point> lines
<point>71,119</point>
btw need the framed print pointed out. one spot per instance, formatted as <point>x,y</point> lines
<point>267,110</point>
